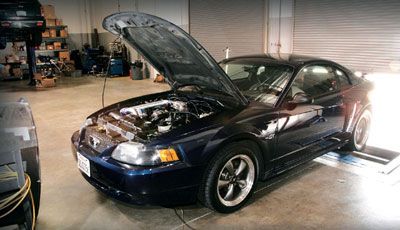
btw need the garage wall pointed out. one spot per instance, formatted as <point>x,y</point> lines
<point>280,26</point>
<point>364,35</point>
<point>236,24</point>
<point>172,10</point>
<point>75,14</point>
<point>175,11</point>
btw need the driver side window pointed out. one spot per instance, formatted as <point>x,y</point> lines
<point>314,81</point>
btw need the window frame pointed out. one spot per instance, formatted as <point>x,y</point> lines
<point>267,63</point>
<point>322,64</point>
<point>346,75</point>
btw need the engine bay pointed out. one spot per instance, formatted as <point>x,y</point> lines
<point>148,119</point>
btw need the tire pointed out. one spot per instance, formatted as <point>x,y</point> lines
<point>359,136</point>
<point>230,178</point>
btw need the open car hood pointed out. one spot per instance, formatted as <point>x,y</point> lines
<point>173,52</point>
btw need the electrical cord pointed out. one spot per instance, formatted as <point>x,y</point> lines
<point>5,176</point>
<point>104,85</point>
<point>182,219</point>
<point>107,73</point>
<point>13,201</point>
<point>33,210</point>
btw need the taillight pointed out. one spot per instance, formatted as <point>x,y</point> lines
<point>5,24</point>
<point>39,23</point>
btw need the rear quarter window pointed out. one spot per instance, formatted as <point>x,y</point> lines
<point>343,79</point>
<point>355,80</point>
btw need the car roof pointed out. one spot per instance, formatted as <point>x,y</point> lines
<point>289,59</point>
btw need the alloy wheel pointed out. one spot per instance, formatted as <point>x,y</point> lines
<point>236,180</point>
<point>362,131</point>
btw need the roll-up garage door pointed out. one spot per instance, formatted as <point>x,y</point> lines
<point>236,24</point>
<point>363,35</point>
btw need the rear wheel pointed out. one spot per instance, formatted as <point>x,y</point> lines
<point>230,179</point>
<point>361,132</point>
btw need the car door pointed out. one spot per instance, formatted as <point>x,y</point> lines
<point>303,126</point>
<point>326,91</point>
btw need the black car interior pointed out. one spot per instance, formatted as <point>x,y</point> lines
<point>314,81</point>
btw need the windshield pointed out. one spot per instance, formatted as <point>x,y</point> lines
<point>258,80</point>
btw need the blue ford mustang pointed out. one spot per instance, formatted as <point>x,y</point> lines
<point>221,127</point>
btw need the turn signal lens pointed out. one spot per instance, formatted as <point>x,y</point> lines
<point>168,155</point>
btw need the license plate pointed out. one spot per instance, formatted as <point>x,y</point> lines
<point>21,13</point>
<point>83,164</point>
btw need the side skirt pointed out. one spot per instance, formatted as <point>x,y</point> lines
<point>313,151</point>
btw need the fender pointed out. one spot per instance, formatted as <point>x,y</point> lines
<point>238,132</point>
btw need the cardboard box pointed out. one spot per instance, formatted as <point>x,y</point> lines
<point>37,76</point>
<point>64,55</point>
<point>51,22</point>
<point>22,59</point>
<point>17,72</point>
<point>43,82</point>
<point>59,22</point>
<point>48,82</point>
<point>46,34</point>
<point>50,47</point>
<point>49,11</point>
<point>5,71</point>
<point>53,33</point>
<point>63,33</point>
<point>57,45</point>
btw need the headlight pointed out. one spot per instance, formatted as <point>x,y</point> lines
<point>88,122</point>
<point>138,154</point>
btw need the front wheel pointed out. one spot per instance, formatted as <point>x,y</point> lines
<point>230,179</point>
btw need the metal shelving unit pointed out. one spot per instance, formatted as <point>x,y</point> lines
<point>47,51</point>
<point>53,39</point>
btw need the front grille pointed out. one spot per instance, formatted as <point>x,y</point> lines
<point>96,140</point>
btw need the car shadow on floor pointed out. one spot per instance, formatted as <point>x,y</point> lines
<point>266,187</point>
<point>171,217</point>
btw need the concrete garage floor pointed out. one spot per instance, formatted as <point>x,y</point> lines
<point>313,196</point>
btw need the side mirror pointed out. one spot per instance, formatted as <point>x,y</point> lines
<point>298,99</point>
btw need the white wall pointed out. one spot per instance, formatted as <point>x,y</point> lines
<point>175,11</point>
<point>280,26</point>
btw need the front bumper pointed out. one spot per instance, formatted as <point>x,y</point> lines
<point>164,185</point>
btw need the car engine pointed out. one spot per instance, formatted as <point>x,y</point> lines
<point>149,119</point>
